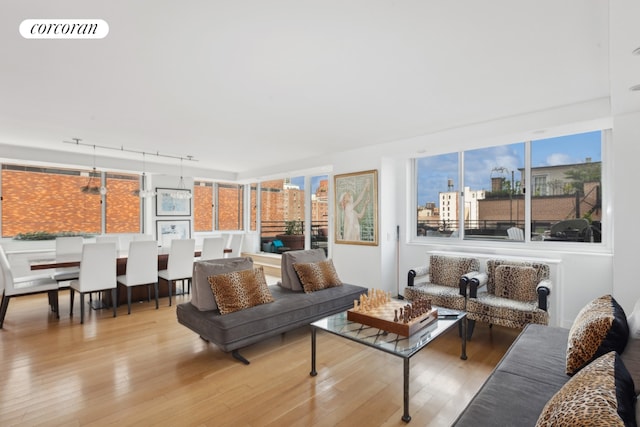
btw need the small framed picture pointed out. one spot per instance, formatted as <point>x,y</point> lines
<point>172,229</point>
<point>168,204</point>
<point>356,208</point>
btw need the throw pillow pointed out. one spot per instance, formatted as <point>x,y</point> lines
<point>240,289</point>
<point>201,296</point>
<point>315,276</point>
<point>600,394</point>
<point>290,278</point>
<point>600,327</point>
<point>516,282</point>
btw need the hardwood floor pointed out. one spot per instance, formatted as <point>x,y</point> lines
<point>146,369</point>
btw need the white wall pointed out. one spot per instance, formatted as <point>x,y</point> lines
<point>626,221</point>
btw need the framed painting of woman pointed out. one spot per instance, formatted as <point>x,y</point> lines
<point>356,208</point>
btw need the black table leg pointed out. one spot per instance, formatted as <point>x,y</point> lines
<point>406,417</point>
<point>463,356</point>
<point>313,372</point>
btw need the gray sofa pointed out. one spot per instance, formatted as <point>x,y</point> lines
<point>529,374</point>
<point>291,308</point>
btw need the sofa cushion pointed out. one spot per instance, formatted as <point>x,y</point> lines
<point>600,327</point>
<point>602,393</point>
<point>516,282</point>
<point>240,289</point>
<point>201,296</point>
<point>447,270</point>
<point>290,278</point>
<point>315,276</point>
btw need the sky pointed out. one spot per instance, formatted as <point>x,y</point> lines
<point>483,164</point>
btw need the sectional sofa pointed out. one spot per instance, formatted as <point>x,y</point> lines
<point>291,308</point>
<point>530,386</point>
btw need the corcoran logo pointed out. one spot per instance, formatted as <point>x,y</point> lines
<point>64,29</point>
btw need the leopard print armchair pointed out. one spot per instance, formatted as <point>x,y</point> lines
<point>511,294</point>
<point>444,281</point>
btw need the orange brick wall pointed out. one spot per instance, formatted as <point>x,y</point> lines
<point>29,205</point>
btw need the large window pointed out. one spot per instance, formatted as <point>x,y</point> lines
<point>282,211</point>
<point>217,206</point>
<point>563,195</point>
<point>57,200</point>
<point>438,195</point>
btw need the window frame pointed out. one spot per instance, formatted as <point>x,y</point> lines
<point>605,246</point>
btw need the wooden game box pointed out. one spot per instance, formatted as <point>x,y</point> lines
<point>382,318</point>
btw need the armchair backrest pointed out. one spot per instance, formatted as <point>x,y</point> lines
<point>447,270</point>
<point>542,271</point>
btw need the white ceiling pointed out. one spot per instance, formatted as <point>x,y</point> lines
<point>244,84</point>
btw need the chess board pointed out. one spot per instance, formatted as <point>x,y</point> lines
<point>382,317</point>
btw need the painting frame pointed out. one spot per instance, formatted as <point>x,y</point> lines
<point>178,228</point>
<point>167,204</point>
<point>356,208</point>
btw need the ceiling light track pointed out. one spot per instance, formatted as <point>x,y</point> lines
<point>78,141</point>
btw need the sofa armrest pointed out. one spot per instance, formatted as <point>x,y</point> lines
<point>544,290</point>
<point>477,281</point>
<point>416,272</point>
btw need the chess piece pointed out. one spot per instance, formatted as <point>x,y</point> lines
<point>395,319</point>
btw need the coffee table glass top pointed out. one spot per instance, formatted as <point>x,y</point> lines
<point>386,341</point>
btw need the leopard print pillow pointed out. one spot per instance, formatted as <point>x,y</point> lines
<point>316,276</point>
<point>601,326</point>
<point>601,394</point>
<point>240,289</point>
<point>516,282</point>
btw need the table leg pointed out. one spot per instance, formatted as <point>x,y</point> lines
<point>313,372</point>
<point>463,356</point>
<point>406,417</point>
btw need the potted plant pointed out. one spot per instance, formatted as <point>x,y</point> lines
<point>293,237</point>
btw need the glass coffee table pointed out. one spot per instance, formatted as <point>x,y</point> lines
<point>398,345</point>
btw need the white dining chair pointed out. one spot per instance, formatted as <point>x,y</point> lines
<point>212,248</point>
<point>142,268</point>
<point>27,285</point>
<point>97,273</point>
<point>109,238</point>
<point>179,264</point>
<point>235,244</point>
<point>141,236</point>
<point>68,248</point>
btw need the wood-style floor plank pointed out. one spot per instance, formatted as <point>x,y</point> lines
<point>146,369</point>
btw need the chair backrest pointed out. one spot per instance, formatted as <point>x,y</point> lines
<point>140,236</point>
<point>109,238</point>
<point>97,267</point>
<point>447,270</point>
<point>181,254</point>
<point>212,248</point>
<point>142,262</point>
<point>7,277</point>
<point>69,245</point>
<point>235,244</point>
<point>515,233</point>
<point>542,270</point>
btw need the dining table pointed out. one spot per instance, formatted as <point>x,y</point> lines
<point>138,293</point>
